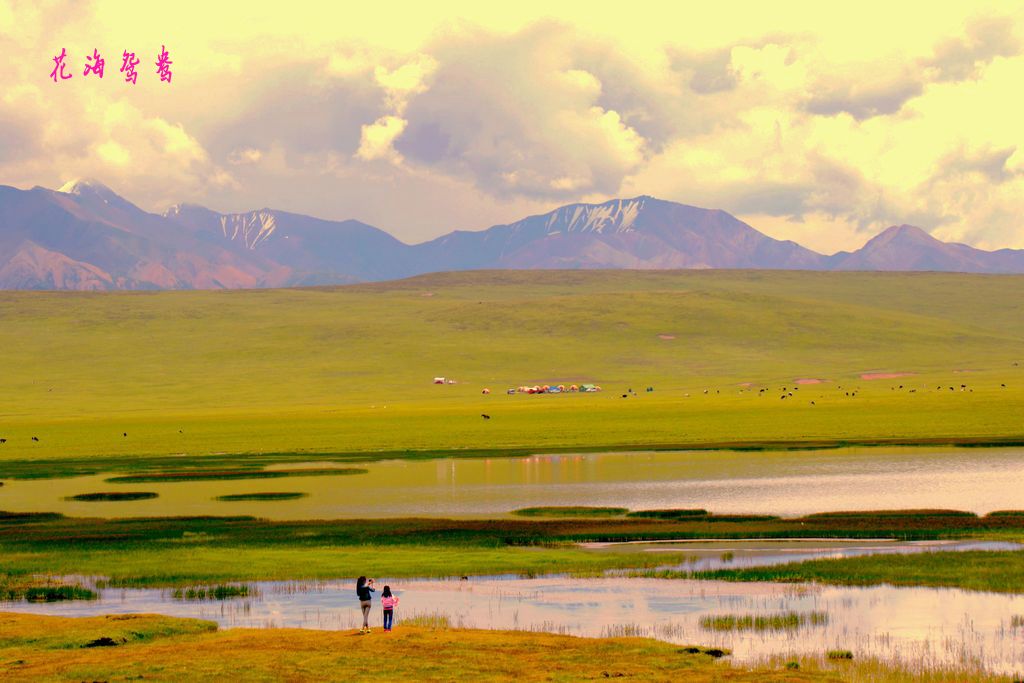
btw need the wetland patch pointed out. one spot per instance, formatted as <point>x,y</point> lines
<point>113,496</point>
<point>270,495</point>
<point>922,628</point>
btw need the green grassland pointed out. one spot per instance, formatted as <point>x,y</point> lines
<point>193,550</point>
<point>348,370</point>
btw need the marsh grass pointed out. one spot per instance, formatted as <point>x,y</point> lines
<point>434,621</point>
<point>190,550</point>
<point>679,513</point>
<point>788,621</point>
<point>571,511</point>
<point>229,475</point>
<point>113,496</point>
<point>35,588</point>
<point>221,592</point>
<point>881,670</point>
<point>58,593</point>
<point>291,495</point>
<point>890,514</point>
<point>998,571</point>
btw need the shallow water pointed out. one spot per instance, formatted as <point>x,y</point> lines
<point>922,627</point>
<point>781,483</point>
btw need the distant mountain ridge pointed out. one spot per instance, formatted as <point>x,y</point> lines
<point>86,237</point>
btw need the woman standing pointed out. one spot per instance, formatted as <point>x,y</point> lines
<point>364,590</point>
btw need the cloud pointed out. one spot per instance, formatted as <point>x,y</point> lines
<point>377,139</point>
<point>864,99</point>
<point>714,71</point>
<point>519,114</point>
<point>710,73</point>
<point>987,163</point>
<point>306,106</point>
<point>868,90</point>
<point>961,58</point>
<point>245,155</point>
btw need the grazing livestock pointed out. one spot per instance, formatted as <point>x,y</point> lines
<point>124,434</point>
<point>485,416</point>
<point>3,440</point>
<point>35,438</point>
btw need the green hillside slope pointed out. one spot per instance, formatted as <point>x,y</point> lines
<point>350,368</point>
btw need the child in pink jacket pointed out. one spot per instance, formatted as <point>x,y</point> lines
<point>388,602</point>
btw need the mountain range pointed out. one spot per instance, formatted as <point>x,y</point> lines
<point>86,237</point>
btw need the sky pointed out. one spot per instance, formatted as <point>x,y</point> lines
<point>822,123</point>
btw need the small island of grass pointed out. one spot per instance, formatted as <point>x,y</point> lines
<point>113,496</point>
<point>570,511</point>
<point>283,495</point>
<point>58,593</point>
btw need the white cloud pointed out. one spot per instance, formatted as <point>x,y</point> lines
<point>378,137</point>
<point>245,155</point>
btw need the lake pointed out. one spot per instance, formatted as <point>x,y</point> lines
<point>783,483</point>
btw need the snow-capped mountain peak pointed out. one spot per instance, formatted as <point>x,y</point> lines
<point>88,187</point>
<point>615,216</point>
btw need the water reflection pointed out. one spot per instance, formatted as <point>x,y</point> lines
<point>779,483</point>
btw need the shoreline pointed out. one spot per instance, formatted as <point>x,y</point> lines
<point>18,468</point>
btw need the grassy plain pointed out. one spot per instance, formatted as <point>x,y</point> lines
<point>347,371</point>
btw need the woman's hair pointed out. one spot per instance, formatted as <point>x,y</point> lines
<point>387,592</point>
<point>360,582</point>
